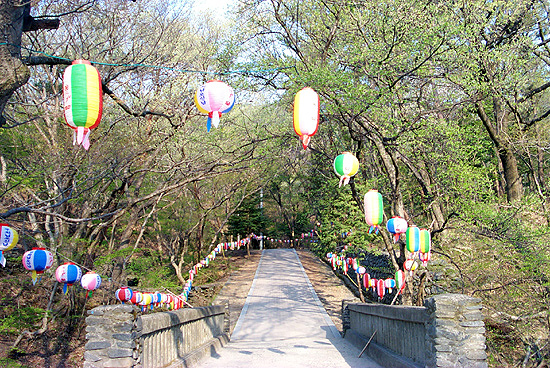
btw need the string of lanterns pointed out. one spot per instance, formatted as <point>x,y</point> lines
<point>150,300</point>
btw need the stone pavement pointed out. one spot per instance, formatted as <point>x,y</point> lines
<point>283,323</point>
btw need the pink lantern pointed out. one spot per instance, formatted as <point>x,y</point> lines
<point>90,281</point>
<point>67,274</point>
<point>214,98</point>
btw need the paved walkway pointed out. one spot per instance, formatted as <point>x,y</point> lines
<point>283,324</point>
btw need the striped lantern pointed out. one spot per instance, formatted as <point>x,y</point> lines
<point>397,226</point>
<point>361,270</point>
<point>214,98</point>
<point>345,165</point>
<point>374,209</point>
<point>90,281</point>
<point>389,284</point>
<point>381,288</point>
<point>37,261</point>
<point>410,265</point>
<point>82,100</point>
<point>68,274</point>
<point>366,280</point>
<point>425,241</point>
<point>8,240</point>
<point>125,294</point>
<point>413,239</point>
<point>400,280</point>
<point>306,114</point>
<point>136,298</point>
<point>372,283</point>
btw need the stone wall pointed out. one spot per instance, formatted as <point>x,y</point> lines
<point>456,331</point>
<point>447,332</point>
<point>119,336</point>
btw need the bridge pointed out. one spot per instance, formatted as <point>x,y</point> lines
<point>283,324</point>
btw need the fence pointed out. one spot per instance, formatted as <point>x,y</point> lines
<point>119,336</point>
<point>447,332</point>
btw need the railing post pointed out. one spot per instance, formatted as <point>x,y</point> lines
<point>112,332</point>
<point>455,333</point>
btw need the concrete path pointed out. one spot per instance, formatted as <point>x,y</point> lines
<point>283,323</point>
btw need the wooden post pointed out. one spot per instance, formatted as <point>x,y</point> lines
<point>359,287</point>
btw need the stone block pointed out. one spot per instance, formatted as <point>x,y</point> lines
<point>119,353</point>
<point>123,327</point>
<point>126,344</point>
<point>92,365</point>
<point>119,363</point>
<point>472,324</point>
<point>91,329</point>
<point>95,321</point>
<point>91,357</point>
<point>123,336</point>
<point>476,354</point>
<point>473,316</point>
<point>95,345</point>
<point>443,348</point>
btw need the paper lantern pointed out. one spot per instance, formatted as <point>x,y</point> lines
<point>136,298</point>
<point>68,274</point>
<point>400,280</point>
<point>345,165</point>
<point>374,209</point>
<point>361,270</point>
<point>8,240</point>
<point>37,261</point>
<point>82,100</point>
<point>410,265</point>
<point>214,98</point>
<point>306,114</point>
<point>425,258</point>
<point>90,281</point>
<point>425,242</point>
<point>397,226</point>
<point>413,239</point>
<point>372,283</point>
<point>125,294</point>
<point>389,284</point>
<point>381,288</point>
<point>366,281</point>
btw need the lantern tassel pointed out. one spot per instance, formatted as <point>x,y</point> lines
<point>2,259</point>
<point>305,140</point>
<point>396,237</point>
<point>33,277</point>
<point>209,122</point>
<point>65,289</point>
<point>216,115</point>
<point>80,134</point>
<point>86,140</point>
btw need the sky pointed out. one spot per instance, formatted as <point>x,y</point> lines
<point>220,5</point>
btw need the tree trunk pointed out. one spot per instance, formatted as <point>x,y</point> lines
<point>14,72</point>
<point>514,186</point>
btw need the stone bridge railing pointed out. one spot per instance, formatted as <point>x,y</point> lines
<point>447,332</point>
<point>119,336</point>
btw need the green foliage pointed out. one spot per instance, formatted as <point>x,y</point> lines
<point>17,319</point>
